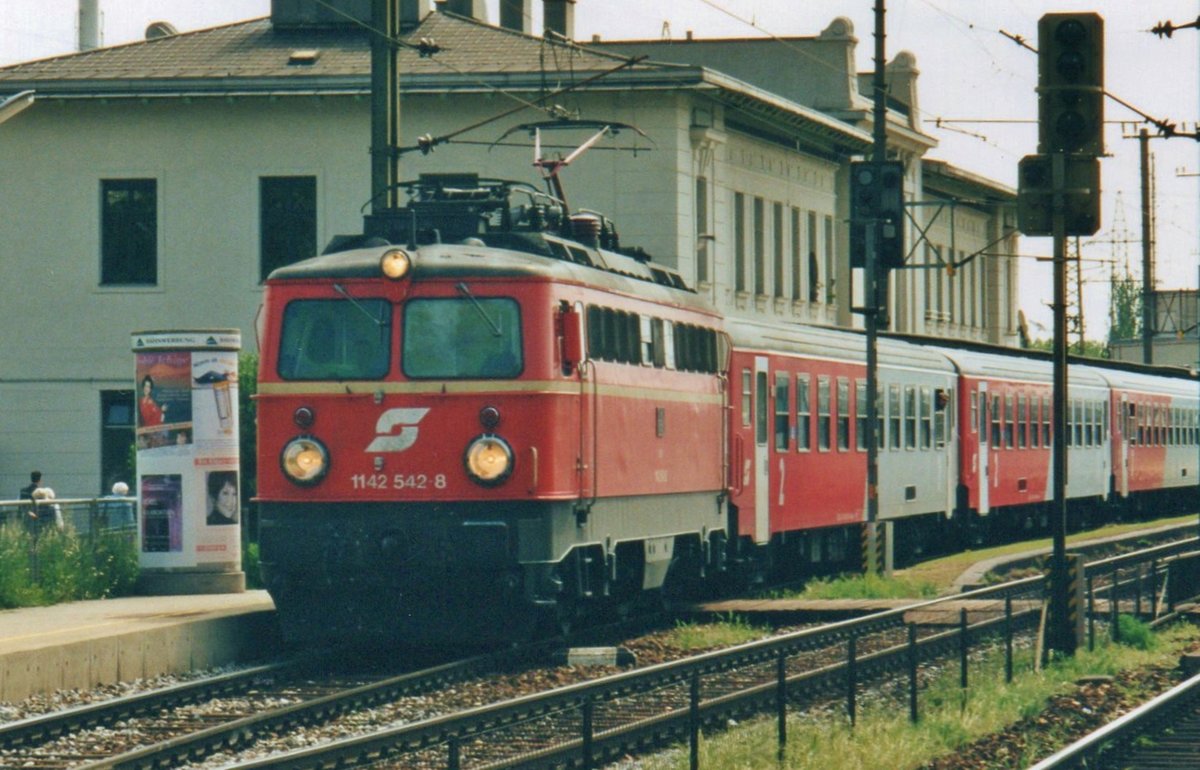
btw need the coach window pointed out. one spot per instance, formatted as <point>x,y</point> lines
<point>746,397</point>
<point>975,423</point>
<point>1077,425</point>
<point>1022,422</point>
<point>1035,422</point>
<point>824,414</point>
<point>783,404</point>
<point>803,413</point>
<point>996,415</point>
<point>860,415</point>
<point>1010,420</point>
<point>669,345</point>
<point>894,416</point>
<point>760,409</point>
<point>880,436</point>
<point>1046,421</point>
<point>910,417</point>
<point>926,418</point>
<point>843,414</point>
<point>657,347</point>
<point>646,337</point>
<point>942,404</point>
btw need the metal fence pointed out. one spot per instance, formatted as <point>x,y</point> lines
<point>85,516</point>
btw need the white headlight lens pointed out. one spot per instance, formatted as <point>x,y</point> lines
<point>304,461</point>
<point>395,264</point>
<point>489,460</point>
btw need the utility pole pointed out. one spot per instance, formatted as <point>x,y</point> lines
<point>1149,314</point>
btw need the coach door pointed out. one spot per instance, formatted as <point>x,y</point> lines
<point>982,456</point>
<point>1125,427</point>
<point>762,510</point>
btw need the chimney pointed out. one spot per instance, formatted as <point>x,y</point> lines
<point>411,12</point>
<point>472,9</point>
<point>89,24</point>
<point>517,15</point>
<point>559,16</point>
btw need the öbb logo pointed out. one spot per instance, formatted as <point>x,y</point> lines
<point>387,439</point>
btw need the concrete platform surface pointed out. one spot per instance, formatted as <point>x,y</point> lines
<point>80,645</point>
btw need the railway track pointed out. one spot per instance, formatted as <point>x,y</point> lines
<point>446,717</point>
<point>172,726</point>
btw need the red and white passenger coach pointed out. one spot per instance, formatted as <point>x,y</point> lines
<point>509,421</point>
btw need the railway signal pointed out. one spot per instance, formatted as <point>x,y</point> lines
<point>1058,195</point>
<point>1080,191</point>
<point>877,197</point>
<point>1071,83</point>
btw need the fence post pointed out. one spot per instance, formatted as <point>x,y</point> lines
<point>1091,614</point>
<point>1114,600</point>
<point>1137,592</point>
<point>913,716</point>
<point>694,722</point>
<point>963,644</point>
<point>1008,640</point>
<point>1153,588</point>
<point>852,679</point>
<point>781,698</point>
<point>587,709</point>
<point>453,760</point>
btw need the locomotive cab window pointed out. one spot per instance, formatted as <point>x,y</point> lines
<point>328,339</point>
<point>462,338</point>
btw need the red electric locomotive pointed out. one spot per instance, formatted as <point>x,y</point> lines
<point>489,424</point>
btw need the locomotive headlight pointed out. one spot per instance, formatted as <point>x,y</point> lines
<point>395,264</point>
<point>489,460</point>
<point>304,461</point>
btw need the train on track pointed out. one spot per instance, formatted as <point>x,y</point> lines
<point>507,420</point>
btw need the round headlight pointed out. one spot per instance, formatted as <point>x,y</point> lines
<point>489,460</point>
<point>304,461</point>
<point>395,264</point>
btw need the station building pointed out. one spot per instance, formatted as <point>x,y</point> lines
<point>154,185</point>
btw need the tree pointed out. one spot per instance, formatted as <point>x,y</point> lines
<point>1125,309</point>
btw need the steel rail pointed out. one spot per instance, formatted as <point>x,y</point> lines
<point>667,726</point>
<point>198,745</point>
<point>1117,735</point>
<point>45,727</point>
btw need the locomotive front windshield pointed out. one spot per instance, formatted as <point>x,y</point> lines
<point>462,338</point>
<point>344,339</point>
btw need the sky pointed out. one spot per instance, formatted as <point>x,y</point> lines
<point>976,92</point>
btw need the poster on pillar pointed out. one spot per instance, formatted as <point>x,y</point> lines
<point>187,451</point>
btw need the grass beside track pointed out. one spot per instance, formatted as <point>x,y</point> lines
<point>944,571</point>
<point>951,718</point>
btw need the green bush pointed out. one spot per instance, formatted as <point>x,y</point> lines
<point>250,565</point>
<point>1136,634</point>
<point>61,566</point>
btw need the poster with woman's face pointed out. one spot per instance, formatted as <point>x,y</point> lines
<point>222,497</point>
<point>164,399</point>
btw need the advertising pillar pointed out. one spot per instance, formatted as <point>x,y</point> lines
<point>188,488</point>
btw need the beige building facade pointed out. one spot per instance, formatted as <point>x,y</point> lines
<point>153,185</point>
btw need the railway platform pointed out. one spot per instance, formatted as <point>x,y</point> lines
<point>85,644</point>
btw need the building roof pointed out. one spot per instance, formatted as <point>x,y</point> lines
<point>255,55</point>
<point>255,58</point>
